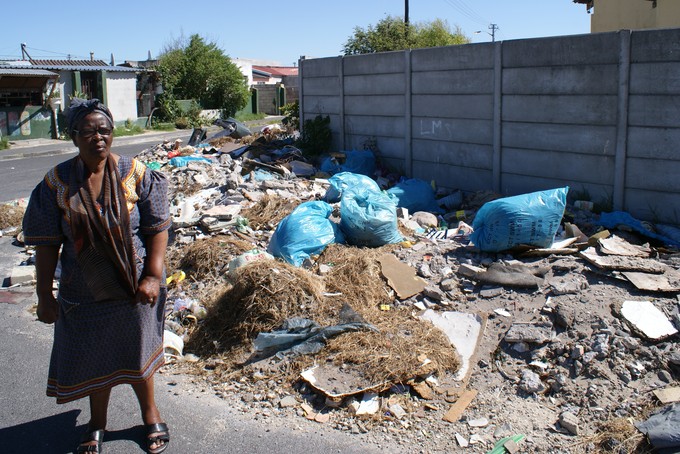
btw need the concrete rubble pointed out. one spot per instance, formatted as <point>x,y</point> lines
<point>552,345</point>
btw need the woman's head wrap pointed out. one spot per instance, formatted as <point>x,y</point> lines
<point>79,108</point>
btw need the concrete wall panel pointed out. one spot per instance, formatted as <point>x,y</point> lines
<point>562,50</point>
<point>655,78</point>
<point>387,105</point>
<point>593,110</point>
<point>654,111</point>
<point>587,139</point>
<point>375,125</point>
<point>559,165</point>
<point>657,206</point>
<point>522,184</point>
<point>380,63</point>
<point>453,177</point>
<point>459,130</point>
<point>467,82</point>
<point>322,86</point>
<point>654,174</point>
<point>321,67</point>
<point>477,107</point>
<point>454,153</point>
<point>561,80</point>
<point>655,45</point>
<point>658,143</point>
<point>375,84</point>
<point>321,105</point>
<point>453,58</point>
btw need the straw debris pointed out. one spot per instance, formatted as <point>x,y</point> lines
<point>11,216</point>
<point>268,212</point>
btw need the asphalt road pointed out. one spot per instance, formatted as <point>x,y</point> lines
<point>26,166</point>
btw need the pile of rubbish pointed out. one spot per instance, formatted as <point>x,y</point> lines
<point>348,295</point>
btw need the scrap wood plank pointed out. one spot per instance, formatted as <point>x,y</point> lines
<point>667,282</point>
<point>615,245</point>
<point>401,277</point>
<point>616,262</point>
<point>668,395</point>
<point>456,411</point>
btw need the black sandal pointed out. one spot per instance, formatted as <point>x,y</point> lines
<point>164,435</point>
<point>95,435</point>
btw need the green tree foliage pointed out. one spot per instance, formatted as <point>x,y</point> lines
<point>392,33</point>
<point>199,70</point>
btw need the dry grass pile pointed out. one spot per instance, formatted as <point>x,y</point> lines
<point>266,293</point>
<point>268,212</point>
<point>396,353</point>
<point>620,435</point>
<point>207,258</point>
<point>11,216</point>
<point>263,295</point>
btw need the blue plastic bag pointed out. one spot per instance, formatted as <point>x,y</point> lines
<point>415,195</point>
<point>616,218</point>
<point>368,218</point>
<point>304,232</point>
<point>181,161</point>
<point>356,161</point>
<point>348,181</point>
<point>531,219</point>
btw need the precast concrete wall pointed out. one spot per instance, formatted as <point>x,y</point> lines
<point>600,113</point>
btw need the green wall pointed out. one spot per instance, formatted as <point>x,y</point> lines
<point>31,122</point>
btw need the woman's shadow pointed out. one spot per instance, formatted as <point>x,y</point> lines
<point>57,434</point>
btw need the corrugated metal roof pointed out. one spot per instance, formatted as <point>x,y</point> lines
<point>26,72</point>
<point>69,65</point>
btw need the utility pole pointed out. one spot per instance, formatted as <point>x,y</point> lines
<point>493,28</point>
<point>406,12</point>
<point>24,52</point>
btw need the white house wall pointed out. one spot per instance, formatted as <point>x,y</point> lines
<point>121,90</point>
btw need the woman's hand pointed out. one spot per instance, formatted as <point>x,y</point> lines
<point>148,291</point>
<point>48,309</point>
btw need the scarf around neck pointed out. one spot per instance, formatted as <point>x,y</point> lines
<point>102,234</point>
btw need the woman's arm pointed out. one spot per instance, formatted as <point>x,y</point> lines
<point>45,264</point>
<point>149,286</point>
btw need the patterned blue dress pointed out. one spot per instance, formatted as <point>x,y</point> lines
<point>100,344</point>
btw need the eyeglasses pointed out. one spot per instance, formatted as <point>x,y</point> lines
<point>87,133</point>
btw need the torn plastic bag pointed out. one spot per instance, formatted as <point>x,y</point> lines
<point>368,218</point>
<point>617,218</point>
<point>356,161</point>
<point>198,135</point>
<point>415,195</point>
<point>182,161</point>
<point>301,336</point>
<point>531,219</point>
<point>304,232</point>
<point>348,180</point>
<point>231,128</point>
<point>662,427</point>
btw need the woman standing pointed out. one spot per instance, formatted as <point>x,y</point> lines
<point>109,214</point>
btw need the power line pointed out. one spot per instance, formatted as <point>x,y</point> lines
<point>466,11</point>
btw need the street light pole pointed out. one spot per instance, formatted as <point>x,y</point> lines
<point>493,28</point>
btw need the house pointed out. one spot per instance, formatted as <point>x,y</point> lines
<point>271,85</point>
<point>613,15</point>
<point>116,86</point>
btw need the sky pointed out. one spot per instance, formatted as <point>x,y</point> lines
<point>277,32</point>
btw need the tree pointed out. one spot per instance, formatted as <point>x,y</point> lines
<point>201,71</point>
<point>392,33</point>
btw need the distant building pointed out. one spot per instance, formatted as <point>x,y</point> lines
<point>613,15</point>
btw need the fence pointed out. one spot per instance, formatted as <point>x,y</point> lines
<point>597,112</point>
